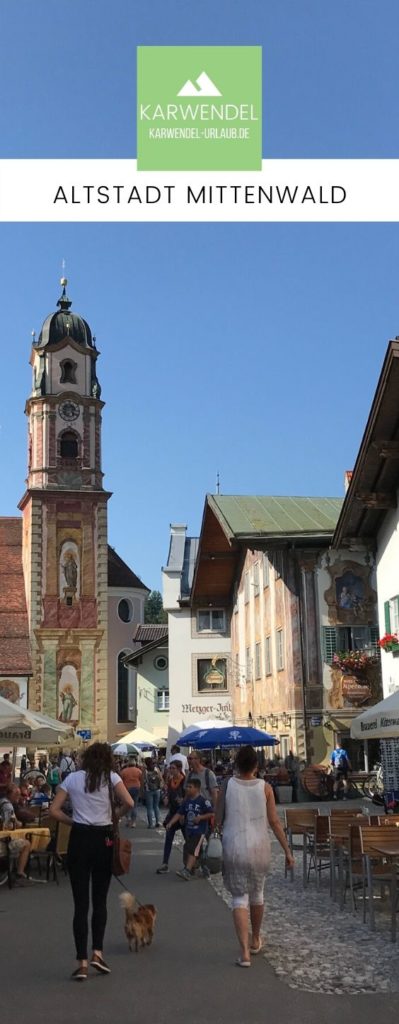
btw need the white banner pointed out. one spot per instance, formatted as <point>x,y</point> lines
<point>113,190</point>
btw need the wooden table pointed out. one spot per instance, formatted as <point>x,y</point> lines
<point>40,836</point>
<point>391,853</point>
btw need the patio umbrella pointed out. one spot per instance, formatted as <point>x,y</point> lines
<point>124,749</point>
<point>210,723</point>
<point>227,736</point>
<point>20,726</point>
<point>380,722</point>
<point>147,747</point>
<point>139,736</point>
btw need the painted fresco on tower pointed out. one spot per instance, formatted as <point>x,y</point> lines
<point>68,695</point>
<point>69,570</point>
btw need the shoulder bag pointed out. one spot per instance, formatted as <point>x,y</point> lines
<point>122,848</point>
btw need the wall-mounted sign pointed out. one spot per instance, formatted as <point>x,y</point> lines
<point>355,693</point>
<point>216,710</point>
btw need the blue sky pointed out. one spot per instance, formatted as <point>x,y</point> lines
<point>68,71</point>
<point>249,349</point>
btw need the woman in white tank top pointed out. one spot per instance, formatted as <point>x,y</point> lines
<point>249,809</point>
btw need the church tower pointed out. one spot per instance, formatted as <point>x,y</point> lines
<point>65,525</point>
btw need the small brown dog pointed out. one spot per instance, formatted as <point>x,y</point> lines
<point>139,921</point>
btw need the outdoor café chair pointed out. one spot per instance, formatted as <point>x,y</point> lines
<point>299,823</point>
<point>379,867</point>
<point>319,847</point>
<point>55,852</point>
<point>339,825</point>
<point>353,867</point>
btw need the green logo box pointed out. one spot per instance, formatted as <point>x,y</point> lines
<point>199,108</point>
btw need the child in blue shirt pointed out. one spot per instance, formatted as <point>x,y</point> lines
<point>193,814</point>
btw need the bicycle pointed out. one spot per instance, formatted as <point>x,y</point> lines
<point>374,787</point>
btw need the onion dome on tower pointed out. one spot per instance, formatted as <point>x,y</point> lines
<point>62,324</point>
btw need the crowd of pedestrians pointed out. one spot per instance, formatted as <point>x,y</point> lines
<point>190,796</point>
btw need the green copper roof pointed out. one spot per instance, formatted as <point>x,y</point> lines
<point>244,515</point>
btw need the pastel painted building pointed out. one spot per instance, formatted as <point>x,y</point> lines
<point>199,641</point>
<point>150,664</point>
<point>266,569</point>
<point>370,516</point>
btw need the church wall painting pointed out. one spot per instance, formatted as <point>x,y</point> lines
<point>349,590</point>
<point>68,695</point>
<point>69,571</point>
<point>15,689</point>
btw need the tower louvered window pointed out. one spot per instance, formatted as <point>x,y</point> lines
<point>69,445</point>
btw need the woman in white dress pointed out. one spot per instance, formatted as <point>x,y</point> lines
<point>246,807</point>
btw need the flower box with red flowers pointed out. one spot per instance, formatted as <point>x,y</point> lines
<point>389,642</point>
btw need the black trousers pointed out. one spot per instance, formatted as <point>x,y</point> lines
<point>89,860</point>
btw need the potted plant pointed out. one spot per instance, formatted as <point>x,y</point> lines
<point>389,642</point>
<point>355,662</point>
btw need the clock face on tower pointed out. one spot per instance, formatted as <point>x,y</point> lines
<point>69,411</point>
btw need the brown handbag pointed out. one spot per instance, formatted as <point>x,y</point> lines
<point>122,848</point>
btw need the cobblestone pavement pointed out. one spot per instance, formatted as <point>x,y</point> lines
<point>329,950</point>
<point>313,945</point>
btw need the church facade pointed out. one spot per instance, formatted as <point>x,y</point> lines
<point>72,579</point>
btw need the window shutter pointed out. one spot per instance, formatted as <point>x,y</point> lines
<point>328,643</point>
<point>387,615</point>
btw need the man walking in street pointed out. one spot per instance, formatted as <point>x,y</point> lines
<point>340,766</point>
<point>209,786</point>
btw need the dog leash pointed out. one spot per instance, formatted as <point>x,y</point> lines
<point>117,879</point>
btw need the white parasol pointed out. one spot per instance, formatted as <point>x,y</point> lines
<point>380,722</point>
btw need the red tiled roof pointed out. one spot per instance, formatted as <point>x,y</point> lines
<point>14,631</point>
<point>146,633</point>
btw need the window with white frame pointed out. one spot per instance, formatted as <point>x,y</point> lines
<point>258,672</point>
<point>256,578</point>
<point>162,700</point>
<point>248,665</point>
<point>246,587</point>
<point>211,620</point>
<point>266,570</point>
<point>280,649</point>
<point>268,656</point>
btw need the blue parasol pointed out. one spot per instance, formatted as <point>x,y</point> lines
<point>227,736</point>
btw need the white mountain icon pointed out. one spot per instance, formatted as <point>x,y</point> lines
<point>205,87</point>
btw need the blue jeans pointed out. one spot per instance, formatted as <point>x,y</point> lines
<point>134,793</point>
<point>169,837</point>
<point>152,798</point>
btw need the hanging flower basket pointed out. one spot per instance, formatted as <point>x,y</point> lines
<point>389,642</point>
<point>356,662</point>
